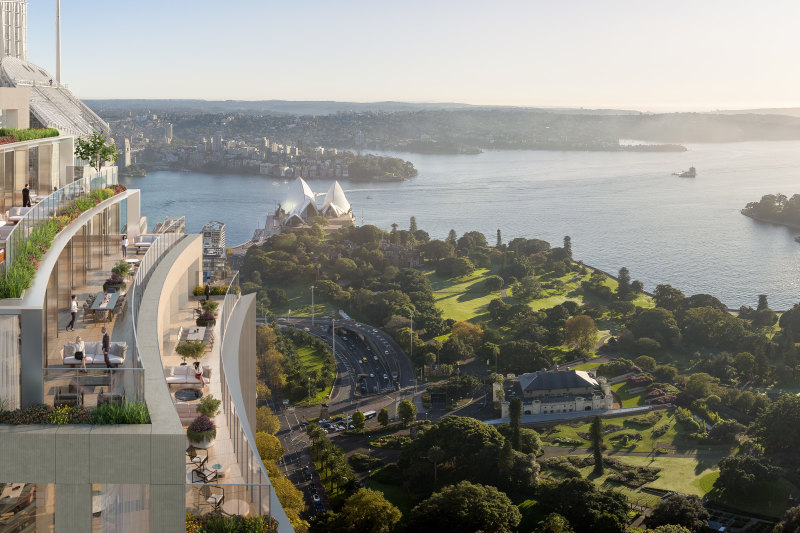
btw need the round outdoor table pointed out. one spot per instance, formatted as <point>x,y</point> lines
<point>239,507</point>
<point>132,260</point>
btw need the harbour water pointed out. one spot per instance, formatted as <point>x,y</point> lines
<point>620,208</point>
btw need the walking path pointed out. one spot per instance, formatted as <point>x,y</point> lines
<point>554,417</point>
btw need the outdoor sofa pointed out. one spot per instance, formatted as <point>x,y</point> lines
<point>93,352</point>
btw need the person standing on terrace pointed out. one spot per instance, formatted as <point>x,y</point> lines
<point>73,310</point>
<point>26,195</point>
<point>124,246</point>
<point>207,291</point>
<point>106,346</point>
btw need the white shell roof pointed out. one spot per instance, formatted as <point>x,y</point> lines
<point>299,198</point>
<point>335,201</point>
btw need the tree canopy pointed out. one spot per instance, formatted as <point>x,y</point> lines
<point>466,507</point>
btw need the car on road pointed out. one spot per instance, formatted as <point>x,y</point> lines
<point>307,472</point>
<point>386,352</point>
<point>364,360</point>
<point>363,388</point>
<point>317,502</point>
<point>371,375</point>
<point>386,377</point>
<point>375,357</point>
<point>313,487</point>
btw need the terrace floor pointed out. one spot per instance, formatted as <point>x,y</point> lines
<point>237,499</point>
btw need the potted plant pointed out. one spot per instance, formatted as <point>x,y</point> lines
<point>114,282</point>
<point>209,406</point>
<point>206,319</point>
<point>193,349</point>
<point>201,432</point>
<point>211,306</point>
<point>122,269</point>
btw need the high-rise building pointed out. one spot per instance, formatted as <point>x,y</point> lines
<point>70,464</point>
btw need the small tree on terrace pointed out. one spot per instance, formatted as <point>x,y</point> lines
<point>515,417</point>
<point>96,150</point>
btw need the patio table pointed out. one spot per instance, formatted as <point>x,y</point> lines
<point>100,303</point>
<point>196,333</point>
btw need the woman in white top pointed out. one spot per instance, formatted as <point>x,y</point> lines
<point>124,246</point>
<point>198,372</point>
<point>80,353</point>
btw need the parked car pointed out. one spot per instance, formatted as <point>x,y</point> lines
<point>307,472</point>
<point>375,357</point>
<point>313,487</point>
<point>371,375</point>
<point>317,502</point>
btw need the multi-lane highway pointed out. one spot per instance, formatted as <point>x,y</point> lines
<point>372,360</point>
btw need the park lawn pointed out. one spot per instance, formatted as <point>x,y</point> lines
<point>629,400</point>
<point>463,298</point>
<point>313,360</point>
<point>585,366</point>
<point>687,475</point>
<point>676,436</point>
<point>396,494</point>
<point>298,296</point>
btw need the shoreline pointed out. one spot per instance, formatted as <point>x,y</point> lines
<point>766,220</point>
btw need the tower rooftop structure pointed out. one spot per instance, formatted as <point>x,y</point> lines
<point>52,105</point>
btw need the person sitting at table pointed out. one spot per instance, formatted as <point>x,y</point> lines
<point>80,351</point>
<point>198,372</point>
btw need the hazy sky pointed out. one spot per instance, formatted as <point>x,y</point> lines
<point>632,54</point>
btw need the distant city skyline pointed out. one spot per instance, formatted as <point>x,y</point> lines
<point>614,54</point>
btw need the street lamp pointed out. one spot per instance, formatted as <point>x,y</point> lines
<point>312,305</point>
<point>309,391</point>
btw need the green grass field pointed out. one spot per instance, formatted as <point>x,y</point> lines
<point>312,360</point>
<point>675,440</point>
<point>298,297</point>
<point>463,298</point>
<point>396,494</point>
<point>629,400</point>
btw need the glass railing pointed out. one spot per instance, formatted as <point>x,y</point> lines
<point>254,474</point>
<point>229,499</point>
<point>151,259</point>
<point>92,387</point>
<point>50,206</point>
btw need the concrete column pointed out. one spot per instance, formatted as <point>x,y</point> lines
<point>73,508</point>
<point>32,350</point>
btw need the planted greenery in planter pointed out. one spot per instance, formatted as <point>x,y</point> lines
<point>114,282</point>
<point>122,269</point>
<point>211,306</point>
<point>103,414</point>
<point>218,522</point>
<point>216,290</point>
<point>201,432</point>
<point>205,319</point>
<point>192,349</point>
<point>28,134</point>
<point>19,275</point>
<point>209,406</point>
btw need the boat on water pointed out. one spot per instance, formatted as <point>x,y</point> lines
<point>691,173</point>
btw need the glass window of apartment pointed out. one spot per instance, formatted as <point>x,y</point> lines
<point>20,174</point>
<point>33,169</point>
<point>45,171</point>
<point>27,506</point>
<point>9,361</point>
<point>120,508</point>
<point>51,319</point>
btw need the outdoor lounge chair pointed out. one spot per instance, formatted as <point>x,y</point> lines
<point>214,497</point>
<point>195,460</point>
<point>206,475</point>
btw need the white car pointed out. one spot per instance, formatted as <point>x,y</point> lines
<point>371,375</point>
<point>386,352</point>
<point>386,377</point>
<point>375,357</point>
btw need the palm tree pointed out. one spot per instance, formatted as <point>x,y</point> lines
<point>436,455</point>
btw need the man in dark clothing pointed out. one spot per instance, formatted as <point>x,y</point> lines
<point>106,346</point>
<point>26,196</point>
<point>208,291</point>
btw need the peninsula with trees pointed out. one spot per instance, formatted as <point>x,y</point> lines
<point>776,209</point>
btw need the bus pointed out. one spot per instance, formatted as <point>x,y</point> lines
<point>369,414</point>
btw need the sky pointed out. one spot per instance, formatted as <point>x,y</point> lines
<point>653,56</point>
